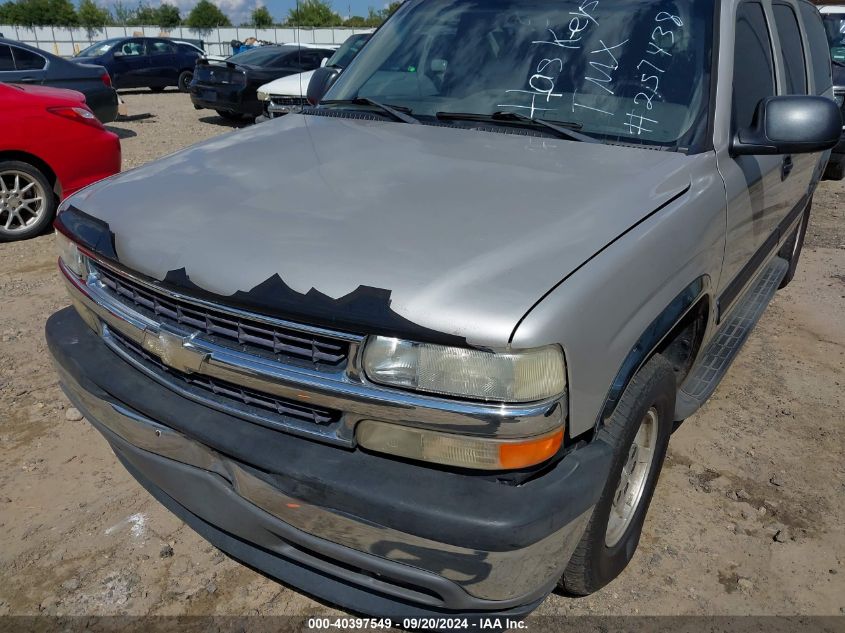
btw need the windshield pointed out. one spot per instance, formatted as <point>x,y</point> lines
<point>95,50</point>
<point>834,24</point>
<point>263,56</point>
<point>348,50</point>
<point>628,70</point>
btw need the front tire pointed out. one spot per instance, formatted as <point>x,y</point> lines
<point>184,81</point>
<point>638,432</point>
<point>27,202</point>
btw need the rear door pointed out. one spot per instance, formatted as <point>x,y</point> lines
<point>163,69</point>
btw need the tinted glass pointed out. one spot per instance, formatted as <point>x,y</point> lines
<point>6,61</point>
<point>131,48</point>
<point>347,52</point>
<point>754,76</point>
<point>27,60</point>
<point>792,49</point>
<point>95,50</point>
<point>630,70</point>
<point>263,56</point>
<point>820,50</point>
<point>834,25</point>
<point>159,47</point>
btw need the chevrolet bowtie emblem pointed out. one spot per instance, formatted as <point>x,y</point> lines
<point>175,351</point>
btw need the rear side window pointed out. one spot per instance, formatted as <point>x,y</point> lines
<point>754,76</point>
<point>819,51</point>
<point>158,47</point>
<point>792,49</point>
<point>6,61</point>
<point>27,60</point>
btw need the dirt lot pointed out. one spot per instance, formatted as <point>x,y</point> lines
<point>748,518</point>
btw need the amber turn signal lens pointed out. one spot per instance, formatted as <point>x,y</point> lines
<point>450,449</point>
<point>523,454</point>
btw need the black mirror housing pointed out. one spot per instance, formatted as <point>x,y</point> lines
<point>795,124</point>
<point>322,79</point>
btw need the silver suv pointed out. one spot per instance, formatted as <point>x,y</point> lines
<point>419,349</point>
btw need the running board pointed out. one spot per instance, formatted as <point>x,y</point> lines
<point>720,352</point>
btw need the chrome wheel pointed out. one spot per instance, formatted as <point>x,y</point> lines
<point>632,482</point>
<point>22,201</point>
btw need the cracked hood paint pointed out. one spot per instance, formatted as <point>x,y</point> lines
<point>464,230</point>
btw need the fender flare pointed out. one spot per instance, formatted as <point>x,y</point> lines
<point>649,341</point>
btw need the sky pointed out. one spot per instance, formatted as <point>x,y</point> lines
<point>239,10</point>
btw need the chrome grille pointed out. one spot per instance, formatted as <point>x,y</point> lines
<point>249,335</point>
<point>278,100</point>
<point>222,389</point>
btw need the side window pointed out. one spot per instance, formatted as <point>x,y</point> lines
<point>160,47</point>
<point>754,76</point>
<point>817,43</point>
<point>6,62</point>
<point>132,48</point>
<point>27,60</point>
<point>792,49</point>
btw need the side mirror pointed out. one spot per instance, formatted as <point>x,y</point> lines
<point>790,125</point>
<point>321,81</point>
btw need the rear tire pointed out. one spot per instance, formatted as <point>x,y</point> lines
<point>27,202</point>
<point>791,250</point>
<point>835,171</point>
<point>229,116</point>
<point>638,432</point>
<point>184,81</point>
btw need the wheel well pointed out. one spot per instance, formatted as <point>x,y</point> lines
<point>683,342</point>
<point>36,162</point>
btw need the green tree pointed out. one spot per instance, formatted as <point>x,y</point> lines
<point>391,8</point>
<point>8,13</point>
<point>313,13</point>
<point>143,15</point>
<point>122,13</point>
<point>44,13</point>
<point>168,16</point>
<point>92,16</point>
<point>261,18</point>
<point>205,16</point>
<point>355,21</point>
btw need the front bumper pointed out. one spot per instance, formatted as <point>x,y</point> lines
<point>369,533</point>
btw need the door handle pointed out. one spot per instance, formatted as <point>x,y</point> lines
<point>27,80</point>
<point>786,167</point>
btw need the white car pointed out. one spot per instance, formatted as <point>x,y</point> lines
<point>285,95</point>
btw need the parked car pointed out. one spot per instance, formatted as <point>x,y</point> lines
<point>188,46</point>
<point>419,351</point>
<point>229,88</point>
<point>834,23</point>
<point>52,145</point>
<point>287,94</point>
<point>144,62</point>
<point>21,63</point>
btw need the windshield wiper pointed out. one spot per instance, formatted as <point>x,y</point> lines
<point>562,129</point>
<point>837,62</point>
<point>397,112</point>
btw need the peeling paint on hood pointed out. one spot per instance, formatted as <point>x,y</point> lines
<point>465,229</point>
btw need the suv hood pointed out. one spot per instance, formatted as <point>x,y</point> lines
<point>292,85</point>
<point>429,232</point>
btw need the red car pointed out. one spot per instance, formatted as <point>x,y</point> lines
<point>51,146</point>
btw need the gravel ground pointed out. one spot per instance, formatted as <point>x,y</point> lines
<point>747,519</point>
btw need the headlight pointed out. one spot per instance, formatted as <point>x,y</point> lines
<point>457,450</point>
<point>263,96</point>
<point>70,255</point>
<point>519,376</point>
